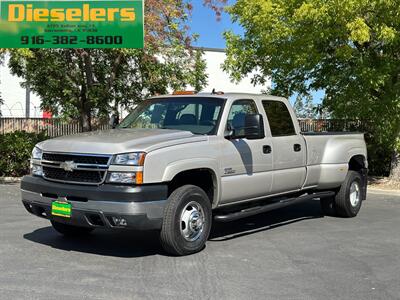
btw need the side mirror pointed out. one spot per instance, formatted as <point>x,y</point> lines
<point>229,132</point>
<point>254,127</point>
<point>114,121</point>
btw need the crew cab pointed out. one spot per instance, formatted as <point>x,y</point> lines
<point>177,164</point>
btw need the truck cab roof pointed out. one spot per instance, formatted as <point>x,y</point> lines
<point>228,96</point>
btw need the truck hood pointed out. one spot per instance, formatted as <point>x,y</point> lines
<point>116,141</point>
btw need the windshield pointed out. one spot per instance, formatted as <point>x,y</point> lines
<point>196,114</point>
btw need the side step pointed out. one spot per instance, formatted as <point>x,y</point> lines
<point>247,212</point>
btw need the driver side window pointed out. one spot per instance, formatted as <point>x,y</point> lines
<point>237,115</point>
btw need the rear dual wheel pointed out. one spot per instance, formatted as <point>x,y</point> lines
<point>348,200</point>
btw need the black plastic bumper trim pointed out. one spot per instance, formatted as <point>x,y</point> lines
<point>105,192</point>
<point>82,218</point>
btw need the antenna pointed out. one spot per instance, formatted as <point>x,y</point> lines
<point>214,92</point>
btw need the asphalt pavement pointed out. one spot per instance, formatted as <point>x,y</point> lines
<point>291,253</point>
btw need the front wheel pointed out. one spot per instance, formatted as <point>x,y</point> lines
<point>69,230</point>
<point>187,221</point>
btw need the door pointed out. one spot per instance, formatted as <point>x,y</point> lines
<point>288,148</point>
<point>246,165</point>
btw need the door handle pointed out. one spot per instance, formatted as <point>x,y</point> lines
<point>267,149</point>
<point>297,147</point>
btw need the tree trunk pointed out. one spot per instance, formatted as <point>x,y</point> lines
<point>85,113</point>
<point>85,122</point>
<point>395,167</point>
<point>85,109</point>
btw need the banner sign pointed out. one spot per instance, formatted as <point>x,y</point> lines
<point>71,24</point>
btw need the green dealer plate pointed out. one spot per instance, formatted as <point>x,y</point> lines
<point>61,209</point>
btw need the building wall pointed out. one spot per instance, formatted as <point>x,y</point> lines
<point>220,80</point>
<point>14,95</point>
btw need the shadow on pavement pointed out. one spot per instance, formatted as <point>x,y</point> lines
<point>266,221</point>
<point>146,243</point>
<point>101,242</point>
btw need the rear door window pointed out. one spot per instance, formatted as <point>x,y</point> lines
<point>279,118</point>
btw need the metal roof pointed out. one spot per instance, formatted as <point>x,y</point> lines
<point>226,96</point>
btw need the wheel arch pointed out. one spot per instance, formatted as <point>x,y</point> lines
<point>199,172</point>
<point>359,164</point>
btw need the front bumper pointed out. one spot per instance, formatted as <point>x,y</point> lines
<point>142,207</point>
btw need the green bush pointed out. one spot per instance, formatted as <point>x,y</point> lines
<point>15,152</point>
<point>379,152</point>
<point>379,156</point>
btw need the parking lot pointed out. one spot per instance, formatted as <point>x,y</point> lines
<point>292,253</point>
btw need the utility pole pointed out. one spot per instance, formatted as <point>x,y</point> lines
<point>28,102</point>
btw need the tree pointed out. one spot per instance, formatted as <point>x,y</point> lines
<point>1,62</point>
<point>304,107</point>
<point>83,83</point>
<point>347,48</point>
<point>298,107</point>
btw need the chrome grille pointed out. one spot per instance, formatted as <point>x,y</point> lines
<point>74,176</point>
<point>75,168</point>
<point>81,159</point>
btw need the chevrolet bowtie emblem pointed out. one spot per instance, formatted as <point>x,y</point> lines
<point>68,166</point>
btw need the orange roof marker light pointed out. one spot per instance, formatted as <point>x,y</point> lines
<point>177,93</point>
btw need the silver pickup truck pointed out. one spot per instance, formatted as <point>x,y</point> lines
<point>178,163</point>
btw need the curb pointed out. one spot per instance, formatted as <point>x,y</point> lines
<point>9,180</point>
<point>383,191</point>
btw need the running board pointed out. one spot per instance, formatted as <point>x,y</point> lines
<point>247,212</point>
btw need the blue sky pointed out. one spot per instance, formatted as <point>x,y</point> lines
<point>211,31</point>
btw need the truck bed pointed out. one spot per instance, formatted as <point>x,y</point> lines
<point>331,133</point>
<point>333,147</point>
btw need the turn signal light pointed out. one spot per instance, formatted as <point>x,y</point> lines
<point>139,177</point>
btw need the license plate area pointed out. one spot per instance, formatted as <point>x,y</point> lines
<point>61,209</point>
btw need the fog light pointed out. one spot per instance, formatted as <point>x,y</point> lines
<point>122,177</point>
<point>37,170</point>
<point>118,221</point>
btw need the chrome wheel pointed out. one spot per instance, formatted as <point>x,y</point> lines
<point>192,221</point>
<point>354,194</point>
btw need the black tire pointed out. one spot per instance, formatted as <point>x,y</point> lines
<point>343,204</point>
<point>70,230</point>
<point>328,206</point>
<point>172,235</point>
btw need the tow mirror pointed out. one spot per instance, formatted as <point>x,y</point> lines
<point>229,132</point>
<point>254,127</point>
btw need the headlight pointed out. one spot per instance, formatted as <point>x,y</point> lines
<point>37,153</point>
<point>125,177</point>
<point>36,168</point>
<point>130,159</point>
